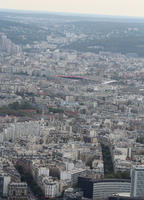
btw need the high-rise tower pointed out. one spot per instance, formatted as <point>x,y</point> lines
<point>137,181</point>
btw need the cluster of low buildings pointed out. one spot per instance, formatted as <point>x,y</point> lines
<point>11,186</point>
<point>98,100</point>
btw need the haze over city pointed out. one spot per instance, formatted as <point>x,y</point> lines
<point>71,100</point>
<point>103,7</point>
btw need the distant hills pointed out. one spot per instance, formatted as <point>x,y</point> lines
<point>80,32</point>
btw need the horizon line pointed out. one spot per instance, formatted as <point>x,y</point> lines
<point>69,13</point>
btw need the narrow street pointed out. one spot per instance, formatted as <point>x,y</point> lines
<point>31,195</point>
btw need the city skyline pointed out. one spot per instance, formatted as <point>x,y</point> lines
<point>103,7</point>
<point>71,106</point>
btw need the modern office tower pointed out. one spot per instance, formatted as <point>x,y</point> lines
<point>137,181</point>
<point>103,188</point>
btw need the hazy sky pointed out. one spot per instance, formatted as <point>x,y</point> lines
<point>107,7</point>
